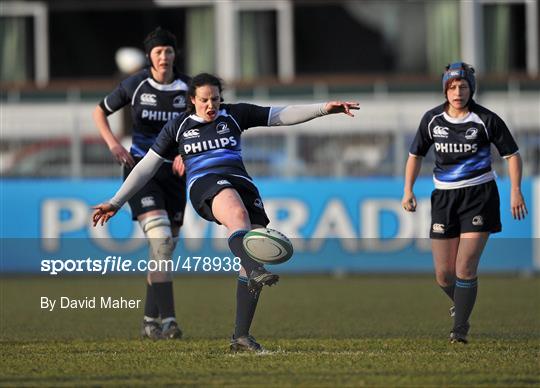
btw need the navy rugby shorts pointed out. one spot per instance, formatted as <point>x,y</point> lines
<point>165,191</point>
<point>463,210</point>
<point>205,188</point>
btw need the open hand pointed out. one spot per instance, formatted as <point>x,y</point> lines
<point>342,107</point>
<point>103,212</point>
<point>517,205</point>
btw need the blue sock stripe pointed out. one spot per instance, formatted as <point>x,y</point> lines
<point>467,283</point>
<point>242,279</point>
<point>238,233</point>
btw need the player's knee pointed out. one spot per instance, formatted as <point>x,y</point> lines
<point>156,225</point>
<point>158,232</point>
<point>466,273</point>
<point>466,269</point>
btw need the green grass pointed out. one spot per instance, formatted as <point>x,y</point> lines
<point>319,331</point>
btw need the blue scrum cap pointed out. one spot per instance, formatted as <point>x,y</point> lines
<point>459,70</point>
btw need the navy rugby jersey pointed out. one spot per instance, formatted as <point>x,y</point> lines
<point>212,147</point>
<point>152,105</point>
<point>462,146</point>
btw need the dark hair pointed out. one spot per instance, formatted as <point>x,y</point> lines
<point>159,37</point>
<point>199,80</point>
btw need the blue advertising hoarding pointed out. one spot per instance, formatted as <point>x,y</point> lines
<point>350,225</point>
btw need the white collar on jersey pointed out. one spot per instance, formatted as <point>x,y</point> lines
<point>221,112</point>
<point>177,84</point>
<point>459,120</point>
<point>470,118</point>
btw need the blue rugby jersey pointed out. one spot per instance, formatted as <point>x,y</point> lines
<point>213,147</point>
<point>152,105</point>
<point>462,146</point>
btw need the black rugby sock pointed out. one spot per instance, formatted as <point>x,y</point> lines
<point>150,307</point>
<point>246,304</point>
<point>464,299</point>
<point>449,290</point>
<point>163,293</point>
<point>237,248</point>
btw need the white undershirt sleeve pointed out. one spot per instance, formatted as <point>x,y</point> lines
<point>137,178</point>
<point>295,114</point>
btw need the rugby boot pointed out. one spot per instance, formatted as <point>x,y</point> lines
<point>260,277</point>
<point>151,330</point>
<point>171,330</point>
<point>246,343</point>
<point>459,334</point>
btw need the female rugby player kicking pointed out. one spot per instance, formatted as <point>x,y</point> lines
<point>208,137</point>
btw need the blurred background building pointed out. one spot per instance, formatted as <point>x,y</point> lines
<point>58,60</point>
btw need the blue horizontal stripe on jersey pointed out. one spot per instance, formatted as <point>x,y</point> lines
<point>136,151</point>
<point>474,166</point>
<point>221,161</point>
<point>141,144</point>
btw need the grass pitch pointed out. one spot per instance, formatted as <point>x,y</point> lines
<point>319,331</point>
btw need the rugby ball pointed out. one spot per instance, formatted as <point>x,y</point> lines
<point>129,59</point>
<point>267,246</point>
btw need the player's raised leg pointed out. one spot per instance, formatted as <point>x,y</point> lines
<point>229,210</point>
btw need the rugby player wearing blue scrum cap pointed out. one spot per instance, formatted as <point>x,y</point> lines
<point>465,202</point>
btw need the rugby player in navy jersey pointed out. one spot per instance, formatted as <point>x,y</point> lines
<point>208,136</point>
<point>465,202</point>
<point>155,95</point>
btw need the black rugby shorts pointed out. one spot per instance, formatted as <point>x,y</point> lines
<point>463,210</point>
<point>205,188</point>
<point>165,191</point>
